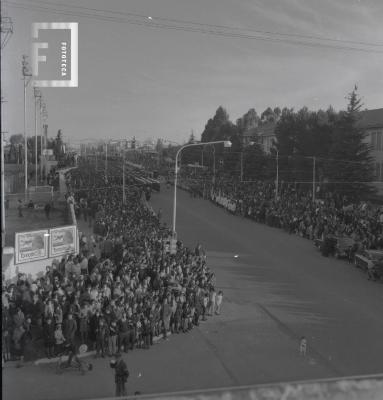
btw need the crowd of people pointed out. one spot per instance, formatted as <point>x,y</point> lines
<point>294,210</point>
<point>123,290</point>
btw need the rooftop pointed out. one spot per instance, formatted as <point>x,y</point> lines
<point>267,129</point>
<point>371,118</point>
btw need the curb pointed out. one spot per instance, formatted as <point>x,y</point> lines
<point>64,358</point>
<point>41,361</point>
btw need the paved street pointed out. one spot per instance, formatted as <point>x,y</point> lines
<point>278,289</point>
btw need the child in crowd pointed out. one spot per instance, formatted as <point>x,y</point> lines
<point>112,341</point>
<point>219,302</point>
<point>59,339</point>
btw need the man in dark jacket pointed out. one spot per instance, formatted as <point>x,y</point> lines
<point>47,210</point>
<point>121,375</point>
<point>92,262</point>
<point>70,328</point>
<point>49,337</point>
<point>102,334</point>
<point>37,311</point>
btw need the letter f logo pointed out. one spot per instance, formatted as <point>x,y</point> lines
<point>36,58</point>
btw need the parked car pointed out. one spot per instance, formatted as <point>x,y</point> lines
<point>372,262</point>
<point>337,246</point>
<point>344,247</point>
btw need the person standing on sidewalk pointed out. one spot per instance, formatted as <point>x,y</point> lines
<point>47,210</point>
<point>218,302</point>
<point>112,340</point>
<point>121,375</point>
<point>70,328</point>
<point>102,335</point>
<point>211,305</point>
<point>20,208</point>
<point>166,314</point>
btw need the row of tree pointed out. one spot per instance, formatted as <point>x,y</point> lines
<point>16,152</point>
<point>342,155</point>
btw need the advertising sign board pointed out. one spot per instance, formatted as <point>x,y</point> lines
<point>63,240</point>
<point>31,246</point>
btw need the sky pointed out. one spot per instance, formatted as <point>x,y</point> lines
<point>147,82</point>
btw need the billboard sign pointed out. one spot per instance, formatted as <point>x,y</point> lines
<point>63,240</point>
<point>31,246</point>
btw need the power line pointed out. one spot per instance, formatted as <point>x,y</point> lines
<point>180,21</point>
<point>199,28</point>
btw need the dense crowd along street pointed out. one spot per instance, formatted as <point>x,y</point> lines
<point>294,210</point>
<point>134,291</point>
<point>126,291</point>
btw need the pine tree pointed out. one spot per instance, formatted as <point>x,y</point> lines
<point>215,127</point>
<point>351,165</point>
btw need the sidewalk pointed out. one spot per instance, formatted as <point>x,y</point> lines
<point>45,360</point>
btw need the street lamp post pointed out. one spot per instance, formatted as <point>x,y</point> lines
<point>26,74</point>
<point>37,95</point>
<point>43,118</point>
<point>241,173</point>
<point>123,175</point>
<point>2,192</point>
<point>251,143</point>
<point>277,178</point>
<point>226,143</point>
<point>213,165</point>
<point>314,178</point>
<point>313,158</point>
<point>106,162</point>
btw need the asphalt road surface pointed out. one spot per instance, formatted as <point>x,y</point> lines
<point>276,290</point>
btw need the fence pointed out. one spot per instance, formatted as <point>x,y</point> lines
<point>39,196</point>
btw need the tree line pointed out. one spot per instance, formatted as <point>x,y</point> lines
<point>329,143</point>
<point>16,151</point>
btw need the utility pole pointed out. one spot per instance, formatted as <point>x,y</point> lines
<point>2,192</point>
<point>241,166</point>
<point>41,142</point>
<point>106,162</point>
<point>314,179</point>
<point>43,116</point>
<point>37,95</point>
<point>277,179</point>
<point>27,75</point>
<point>6,33</point>
<point>123,176</point>
<point>213,165</point>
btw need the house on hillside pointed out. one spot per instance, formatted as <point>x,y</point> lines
<point>249,136</point>
<point>266,135</point>
<point>263,134</point>
<point>371,121</point>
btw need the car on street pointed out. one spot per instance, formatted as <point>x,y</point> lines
<point>371,261</point>
<point>338,246</point>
